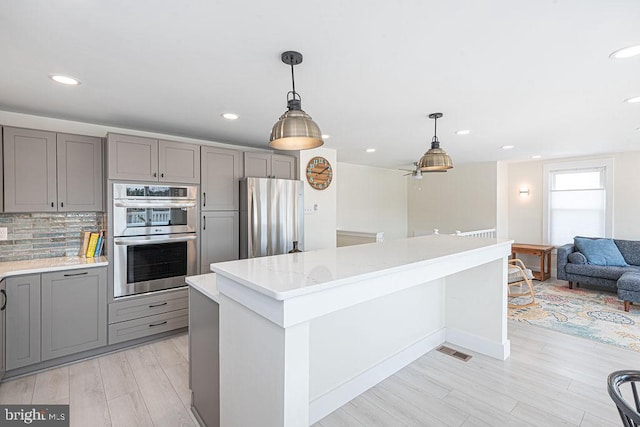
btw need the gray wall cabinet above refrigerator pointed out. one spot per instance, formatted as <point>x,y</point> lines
<point>264,165</point>
<point>49,172</point>
<point>146,159</point>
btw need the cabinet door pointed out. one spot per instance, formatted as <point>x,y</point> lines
<point>178,162</point>
<point>257,165</point>
<point>74,311</point>
<point>221,174</point>
<point>29,170</point>
<point>79,173</point>
<point>3,306</point>
<point>132,157</point>
<point>220,240</point>
<point>22,321</point>
<point>283,166</point>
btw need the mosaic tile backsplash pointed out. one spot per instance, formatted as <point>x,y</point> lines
<point>46,235</point>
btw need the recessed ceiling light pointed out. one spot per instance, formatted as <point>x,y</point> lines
<point>65,80</point>
<point>325,136</point>
<point>537,156</point>
<point>230,116</point>
<point>633,100</point>
<point>507,147</point>
<point>370,150</point>
<point>463,132</point>
<point>626,52</point>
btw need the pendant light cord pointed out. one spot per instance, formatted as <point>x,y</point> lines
<point>435,128</point>
<point>293,82</point>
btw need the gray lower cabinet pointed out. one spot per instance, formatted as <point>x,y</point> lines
<point>22,321</point>
<point>74,311</point>
<point>204,366</point>
<point>220,238</point>
<point>55,314</point>
<point>142,316</point>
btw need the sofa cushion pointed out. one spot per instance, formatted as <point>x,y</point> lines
<point>629,281</point>
<point>604,272</point>
<point>577,258</point>
<point>630,250</point>
<point>600,251</point>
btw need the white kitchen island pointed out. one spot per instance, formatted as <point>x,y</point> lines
<point>302,334</point>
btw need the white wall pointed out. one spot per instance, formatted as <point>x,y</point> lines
<point>463,198</point>
<point>372,200</point>
<point>320,222</point>
<point>526,213</point>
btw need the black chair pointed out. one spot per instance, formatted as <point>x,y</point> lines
<point>630,416</point>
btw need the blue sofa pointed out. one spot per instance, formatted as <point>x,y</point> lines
<point>573,267</point>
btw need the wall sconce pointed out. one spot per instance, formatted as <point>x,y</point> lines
<point>524,191</point>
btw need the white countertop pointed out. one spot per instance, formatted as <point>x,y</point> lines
<point>205,283</point>
<point>290,275</point>
<point>46,265</point>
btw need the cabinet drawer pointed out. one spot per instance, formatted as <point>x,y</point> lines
<point>147,306</point>
<point>138,328</point>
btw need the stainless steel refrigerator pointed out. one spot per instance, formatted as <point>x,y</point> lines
<point>271,216</point>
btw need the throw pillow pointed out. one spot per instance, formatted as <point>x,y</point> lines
<point>600,251</point>
<point>577,258</point>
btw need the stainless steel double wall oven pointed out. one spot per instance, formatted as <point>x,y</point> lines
<point>154,237</point>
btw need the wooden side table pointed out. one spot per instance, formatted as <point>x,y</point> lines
<point>541,251</point>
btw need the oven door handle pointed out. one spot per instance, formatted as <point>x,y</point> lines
<point>129,241</point>
<point>148,205</point>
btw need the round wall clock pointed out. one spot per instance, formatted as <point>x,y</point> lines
<point>319,173</point>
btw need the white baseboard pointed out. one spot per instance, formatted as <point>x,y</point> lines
<point>479,344</point>
<point>329,402</point>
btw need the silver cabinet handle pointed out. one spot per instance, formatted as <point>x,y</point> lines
<point>76,274</point>
<point>158,324</point>
<point>155,175</point>
<point>158,305</point>
<point>151,205</point>
<point>204,201</point>
<point>204,222</point>
<point>133,241</point>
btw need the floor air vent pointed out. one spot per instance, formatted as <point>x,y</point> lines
<point>454,353</point>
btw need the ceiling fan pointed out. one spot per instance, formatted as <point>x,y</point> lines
<point>415,174</point>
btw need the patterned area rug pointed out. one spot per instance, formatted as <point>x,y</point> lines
<point>587,313</point>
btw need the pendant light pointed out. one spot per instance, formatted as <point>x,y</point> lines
<point>436,159</point>
<point>294,130</point>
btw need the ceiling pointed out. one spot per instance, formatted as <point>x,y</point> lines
<point>533,74</point>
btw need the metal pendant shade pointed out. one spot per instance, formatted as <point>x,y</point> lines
<point>294,130</point>
<point>435,159</point>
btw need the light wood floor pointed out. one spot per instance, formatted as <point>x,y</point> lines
<point>551,379</point>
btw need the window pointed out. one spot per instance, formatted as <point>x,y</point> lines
<point>579,200</point>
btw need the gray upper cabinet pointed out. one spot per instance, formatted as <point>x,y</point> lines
<point>132,157</point>
<point>48,172</point>
<point>29,170</point>
<point>283,166</point>
<point>178,162</point>
<point>22,321</point>
<point>146,159</point>
<point>74,311</point>
<point>220,238</point>
<point>264,165</point>
<point>221,173</point>
<point>79,173</point>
